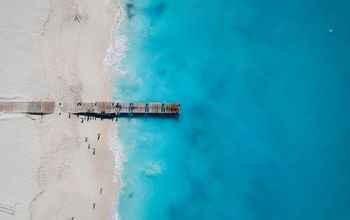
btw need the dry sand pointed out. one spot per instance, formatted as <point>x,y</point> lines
<point>54,50</point>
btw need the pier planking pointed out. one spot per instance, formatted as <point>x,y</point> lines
<point>36,107</point>
<point>103,108</point>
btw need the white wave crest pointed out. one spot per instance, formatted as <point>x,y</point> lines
<point>118,47</point>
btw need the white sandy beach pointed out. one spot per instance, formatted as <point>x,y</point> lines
<point>54,50</point>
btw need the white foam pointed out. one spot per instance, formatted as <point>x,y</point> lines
<point>112,62</point>
<point>118,47</point>
<point>117,149</point>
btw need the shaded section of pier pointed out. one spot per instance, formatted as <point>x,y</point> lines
<point>121,108</point>
<point>127,115</point>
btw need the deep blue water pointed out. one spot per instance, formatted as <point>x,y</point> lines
<point>264,131</point>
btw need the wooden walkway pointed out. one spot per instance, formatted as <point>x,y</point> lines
<point>100,108</point>
<point>28,107</point>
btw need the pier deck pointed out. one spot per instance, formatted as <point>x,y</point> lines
<point>27,107</point>
<point>100,108</point>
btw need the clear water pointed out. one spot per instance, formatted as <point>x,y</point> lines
<point>264,131</point>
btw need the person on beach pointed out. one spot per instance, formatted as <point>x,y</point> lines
<point>98,136</point>
<point>100,191</point>
<point>86,139</point>
<point>93,153</point>
<point>88,146</point>
<point>93,205</point>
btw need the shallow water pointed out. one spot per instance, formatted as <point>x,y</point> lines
<point>264,130</point>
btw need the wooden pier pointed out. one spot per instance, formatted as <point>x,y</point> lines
<point>98,108</point>
<point>27,107</point>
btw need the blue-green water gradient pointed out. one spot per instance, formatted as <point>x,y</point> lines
<point>264,131</point>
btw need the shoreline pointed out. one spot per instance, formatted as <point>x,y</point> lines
<point>63,178</point>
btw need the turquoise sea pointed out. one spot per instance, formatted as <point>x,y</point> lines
<point>264,131</point>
